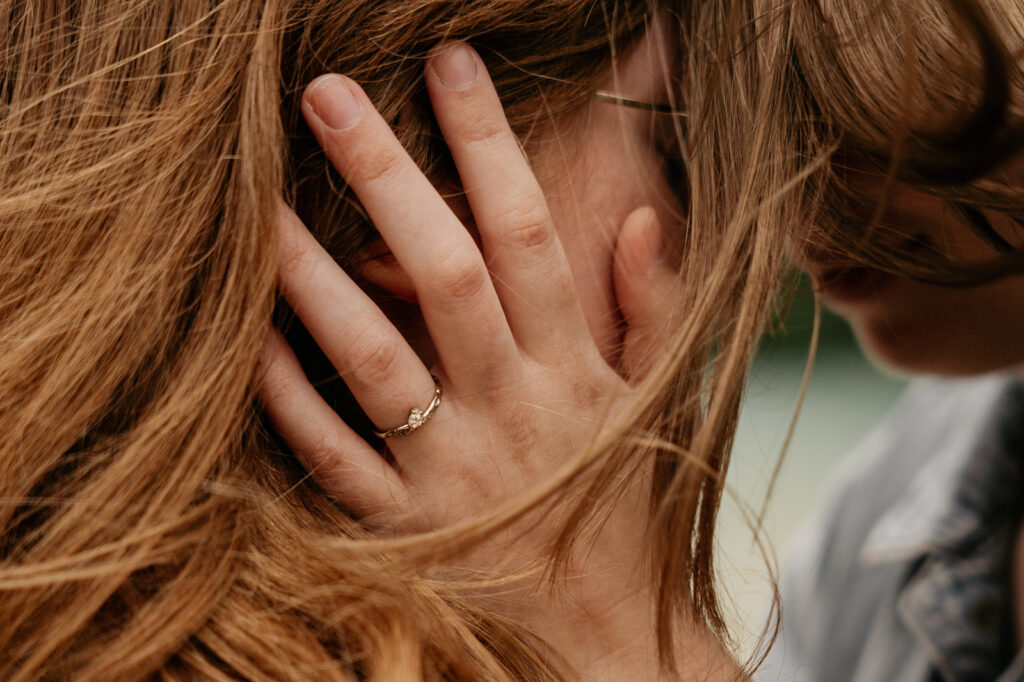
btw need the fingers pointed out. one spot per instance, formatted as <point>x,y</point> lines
<point>380,368</point>
<point>452,283</point>
<point>647,290</point>
<point>519,239</point>
<point>340,460</point>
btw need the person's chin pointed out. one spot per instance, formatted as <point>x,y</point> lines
<point>869,300</point>
<point>895,332</point>
<point>908,345</point>
<point>910,327</point>
<point>898,351</point>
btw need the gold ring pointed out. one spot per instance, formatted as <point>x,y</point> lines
<point>417,417</point>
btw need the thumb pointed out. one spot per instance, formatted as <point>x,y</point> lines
<point>647,291</point>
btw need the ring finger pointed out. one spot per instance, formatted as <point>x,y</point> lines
<point>383,372</point>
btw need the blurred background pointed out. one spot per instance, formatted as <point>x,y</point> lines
<point>846,397</point>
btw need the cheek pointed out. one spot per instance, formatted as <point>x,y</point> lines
<point>912,213</point>
<point>590,194</point>
<point>920,213</point>
<point>588,221</point>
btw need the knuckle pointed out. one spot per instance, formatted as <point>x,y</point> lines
<point>461,278</point>
<point>522,432</point>
<point>529,229</point>
<point>323,456</point>
<point>293,264</point>
<point>369,165</point>
<point>377,360</point>
<point>483,129</point>
<point>292,254</point>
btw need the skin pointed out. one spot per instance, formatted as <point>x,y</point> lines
<point>595,168</point>
<point>527,376</point>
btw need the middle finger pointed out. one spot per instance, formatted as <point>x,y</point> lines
<point>510,209</point>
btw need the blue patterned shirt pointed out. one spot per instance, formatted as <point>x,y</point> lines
<point>904,576</point>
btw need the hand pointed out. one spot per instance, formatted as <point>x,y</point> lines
<point>525,388</point>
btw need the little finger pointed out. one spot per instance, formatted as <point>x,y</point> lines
<point>647,289</point>
<point>342,462</point>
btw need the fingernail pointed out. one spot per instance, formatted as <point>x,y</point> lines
<point>456,66</point>
<point>334,103</point>
<point>652,234</point>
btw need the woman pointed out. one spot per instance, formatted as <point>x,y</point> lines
<point>151,529</point>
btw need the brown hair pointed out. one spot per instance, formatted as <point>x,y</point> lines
<point>925,93</point>
<point>148,528</point>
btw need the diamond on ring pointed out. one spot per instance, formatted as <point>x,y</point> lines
<point>417,417</point>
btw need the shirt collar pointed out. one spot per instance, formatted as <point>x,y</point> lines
<point>952,501</point>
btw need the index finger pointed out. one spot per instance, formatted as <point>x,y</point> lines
<point>459,304</point>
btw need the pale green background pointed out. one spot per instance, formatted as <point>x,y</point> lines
<point>846,397</point>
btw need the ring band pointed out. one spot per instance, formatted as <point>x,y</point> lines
<point>417,417</point>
